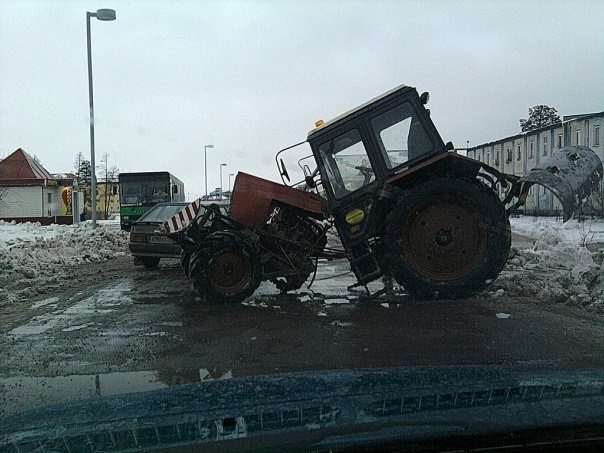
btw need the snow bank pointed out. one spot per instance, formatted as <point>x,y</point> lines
<point>583,233</point>
<point>555,267</point>
<point>30,253</point>
<point>558,267</point>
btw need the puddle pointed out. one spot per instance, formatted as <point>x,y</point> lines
<point>50,300</point>
<point>336,301</point>
<point>100,303</point>
<point>19,394</point>
<point>74,328</point>
<point>169,324</point>
<point>341,324</point>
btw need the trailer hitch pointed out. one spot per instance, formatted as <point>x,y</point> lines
<point>572,174</point>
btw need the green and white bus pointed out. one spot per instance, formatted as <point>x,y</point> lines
<point>141,191</point>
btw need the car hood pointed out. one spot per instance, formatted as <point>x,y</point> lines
<point>321,409</point>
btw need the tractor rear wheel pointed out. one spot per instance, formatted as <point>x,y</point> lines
<point>224,269</point>
<point>450,237</point>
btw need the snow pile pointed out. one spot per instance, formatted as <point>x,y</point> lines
<point>585,232</point>
<point>557,268</point>
<point>31,254</point>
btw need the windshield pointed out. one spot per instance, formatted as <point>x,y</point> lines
<point>421,268</point>
<point>144,192</point>
<point>346,163</point>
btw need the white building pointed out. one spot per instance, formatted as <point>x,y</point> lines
<point>518,154</point>
<point>29,193</point>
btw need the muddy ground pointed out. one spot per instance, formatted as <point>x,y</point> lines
<point>115,328</point>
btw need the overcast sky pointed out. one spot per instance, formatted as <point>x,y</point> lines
<point>251,77</point>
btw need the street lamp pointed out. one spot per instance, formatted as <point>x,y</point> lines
<point>105,15</point>
<point>230,190</point>
<point>205,164</point>
<point>221,165</point>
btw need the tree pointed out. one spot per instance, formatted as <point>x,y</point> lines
<point>109,175</point>
<point>82,171</point>
<point>3,193</point>
<point>539,116</point>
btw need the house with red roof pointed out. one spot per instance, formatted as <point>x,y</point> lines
<point>29,193</point>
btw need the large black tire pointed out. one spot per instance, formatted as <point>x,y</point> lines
<point>448,238</point>
<point>224,269</point>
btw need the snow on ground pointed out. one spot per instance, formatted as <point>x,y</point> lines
<point>558,266</point>
<point>31,254</point>
<point>557,262</point>
<point>584,233</point>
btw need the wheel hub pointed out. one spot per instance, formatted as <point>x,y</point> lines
<point>444,240</point>
<point>229,271</point>
<point>444,237</point>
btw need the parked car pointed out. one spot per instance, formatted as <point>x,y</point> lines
<point>147,245</point>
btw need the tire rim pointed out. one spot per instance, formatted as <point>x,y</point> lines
<point>444,240</point>
<point>230,271</point>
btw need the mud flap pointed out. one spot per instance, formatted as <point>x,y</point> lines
<point>572,175</point>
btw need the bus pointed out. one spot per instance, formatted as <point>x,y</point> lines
<point>141,191</point>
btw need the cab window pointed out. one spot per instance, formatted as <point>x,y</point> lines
<point>400,135</point>
<point>346,163</point>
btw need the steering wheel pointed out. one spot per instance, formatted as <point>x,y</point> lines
<point>367,173</point>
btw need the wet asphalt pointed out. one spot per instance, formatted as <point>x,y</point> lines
<point>124,328</point>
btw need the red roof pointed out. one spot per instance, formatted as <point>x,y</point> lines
<point>20,168</point>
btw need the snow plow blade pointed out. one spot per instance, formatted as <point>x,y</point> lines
<point>572,175</point>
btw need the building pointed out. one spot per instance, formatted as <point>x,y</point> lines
<point>107,196</point>
<point>518,154</point>
<point>29,193</point>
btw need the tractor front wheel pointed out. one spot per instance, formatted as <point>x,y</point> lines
<point>224,269</point>
<point>450,237</point>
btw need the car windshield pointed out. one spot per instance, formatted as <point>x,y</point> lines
<point>407,252</point>
<point>161,213</point>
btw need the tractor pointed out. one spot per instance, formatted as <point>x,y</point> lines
<point>404,204</point>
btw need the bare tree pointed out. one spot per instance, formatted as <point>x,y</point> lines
<point>3,193</point>
<point>109,175</point>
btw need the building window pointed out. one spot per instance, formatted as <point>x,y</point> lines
<point>531,147</point>
<point>518,152</point>
<point>497,159</point>
<point>509,157</point>
<point>597,135</point>
<point>578,136</point>
<point>545,145</point>
<point>559,140</point>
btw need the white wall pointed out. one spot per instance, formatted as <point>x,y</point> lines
<point>21,202</point>
<point>31,201</point>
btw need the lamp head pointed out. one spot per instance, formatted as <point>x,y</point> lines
<point>105,14</point>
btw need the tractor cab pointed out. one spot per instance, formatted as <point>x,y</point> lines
<point>359,150</point>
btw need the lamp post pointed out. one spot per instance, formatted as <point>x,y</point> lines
<point>230,190</point>
<point>205,164</point>
<point>105,15</point>
<point>221,165</point>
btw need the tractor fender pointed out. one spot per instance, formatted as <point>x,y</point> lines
<point>572,174</point>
